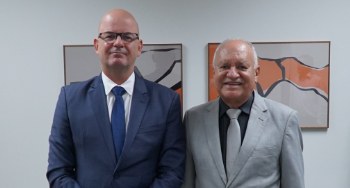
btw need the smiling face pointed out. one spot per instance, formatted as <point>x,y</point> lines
<point>118,58</point>
<point>235,72</point>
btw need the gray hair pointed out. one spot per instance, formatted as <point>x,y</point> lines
<point>219,48</point>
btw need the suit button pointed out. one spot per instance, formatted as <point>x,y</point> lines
<point>116,175</point>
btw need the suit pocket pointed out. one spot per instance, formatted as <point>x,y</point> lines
<point>263,162</point>
<point>148,140</point>
<point>266,152</point>
<point>145,129</point>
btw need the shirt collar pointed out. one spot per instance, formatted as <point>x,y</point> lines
<point>246,107</point>
<point>128,85</point>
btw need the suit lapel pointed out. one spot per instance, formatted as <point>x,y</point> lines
<point>211,125</point>
<point>255,128</point>
<point>139,103</point>
<point>97,98</point>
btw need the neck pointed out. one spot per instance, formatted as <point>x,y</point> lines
<point>118,77</point>
<point>235,103</point>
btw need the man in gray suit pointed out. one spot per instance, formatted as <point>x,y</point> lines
<point>267,149</point>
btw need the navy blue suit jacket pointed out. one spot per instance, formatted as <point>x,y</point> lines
<point>81,150</point>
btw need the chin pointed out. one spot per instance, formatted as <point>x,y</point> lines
<point>231,94</point>
<point>117,62</point>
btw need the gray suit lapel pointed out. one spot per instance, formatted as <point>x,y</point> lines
<point>211,125</point>
<point>97,98</point>
<point>255,127</point>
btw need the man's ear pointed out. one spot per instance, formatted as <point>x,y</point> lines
<point>139,47</point>
<point>257,72</point>
<point>96,45</point>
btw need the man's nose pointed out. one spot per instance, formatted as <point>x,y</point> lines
<point>118,41</point>
<point>232,72</point>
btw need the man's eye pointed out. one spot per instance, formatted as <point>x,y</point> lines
<point>241,67</point>
<point>109,37</point>
<point>225,67</point>
<point>127,37</point>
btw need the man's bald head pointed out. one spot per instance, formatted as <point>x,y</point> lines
<point>115,16</point>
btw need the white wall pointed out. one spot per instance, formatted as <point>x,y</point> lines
<point>33,32</point>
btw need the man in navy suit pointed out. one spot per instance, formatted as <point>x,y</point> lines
<point>82,144</point>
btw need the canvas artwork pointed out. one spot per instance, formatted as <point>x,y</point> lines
<point>293,73</point>
<point>161,63</point>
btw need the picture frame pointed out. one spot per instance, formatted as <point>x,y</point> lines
<point>160,63</point>
<point>293,73</point>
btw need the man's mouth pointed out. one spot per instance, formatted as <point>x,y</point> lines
<point>233,83</point>
<point>117,54</point>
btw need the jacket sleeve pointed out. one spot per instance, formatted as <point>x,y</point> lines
<point>292,164</point>
<point>190,172</point>
<point>171,165</point>
<point>61,167</point>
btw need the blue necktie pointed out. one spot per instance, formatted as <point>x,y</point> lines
<point>118,120</point>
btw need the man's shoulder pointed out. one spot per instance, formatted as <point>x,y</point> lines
<point>75,87</point>
<point>203,107</point>
<point>158,88</point>
<point>277,107</point>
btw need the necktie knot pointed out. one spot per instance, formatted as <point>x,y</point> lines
<point>118,91</point>
<point>233,113</point>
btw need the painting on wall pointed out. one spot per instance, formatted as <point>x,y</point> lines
<point>293,73</point>
<point>160,63</point>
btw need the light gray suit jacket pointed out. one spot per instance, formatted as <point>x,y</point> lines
<point>270,156</point>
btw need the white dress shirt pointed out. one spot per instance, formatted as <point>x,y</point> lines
<point>128,85</point>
